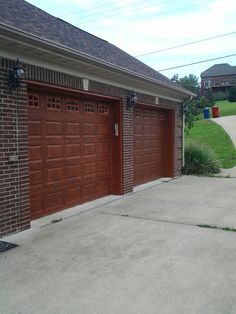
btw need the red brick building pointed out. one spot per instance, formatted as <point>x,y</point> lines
<point>73,131</point>
<point>219,78</point>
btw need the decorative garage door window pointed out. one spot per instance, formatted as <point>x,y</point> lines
<point>89,107</point>
<point>33,100</point>
<point>103,109</point>
<point>53,103</point>
<point>72,105</point>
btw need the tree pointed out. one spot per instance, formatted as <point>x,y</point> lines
<point>189,82</point>
<point>193,107</point>
<point>232,94</point>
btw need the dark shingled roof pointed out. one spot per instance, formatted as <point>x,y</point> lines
<point>26,17</point>
<point>219,69</point>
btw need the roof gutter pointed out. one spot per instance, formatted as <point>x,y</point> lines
<point>89,58</point>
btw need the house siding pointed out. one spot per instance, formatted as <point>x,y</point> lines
<point>14,191</point>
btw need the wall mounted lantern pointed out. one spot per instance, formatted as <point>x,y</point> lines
<point>131,99</point>
<point>16,76</point>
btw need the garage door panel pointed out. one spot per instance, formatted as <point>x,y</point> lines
<point>89,129</point>
<point>70,151</point>
<point>72,128</point>
<point>89,149</point>
<point>55,175</point>
<point>35,127</point>
<point>36,202</point>
<point>89,168</point>
<point>72,194</point>
<point>53,128</point>
<point>103,187</point>
<point>36,177</point>
<point>54,199</point>
<point>73,171</point>
<point>149,147</point>
<point>35,152</point>
<point>89,190</point>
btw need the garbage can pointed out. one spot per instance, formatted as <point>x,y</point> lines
<point>206,113</point>
<point>215,112</point>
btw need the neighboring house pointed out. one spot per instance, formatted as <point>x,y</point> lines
<point>74,130</point>
<point>219,78</point>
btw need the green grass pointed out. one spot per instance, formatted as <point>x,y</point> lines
<point>211,134</point>
<point>216,227</point>
<point>226,108</point>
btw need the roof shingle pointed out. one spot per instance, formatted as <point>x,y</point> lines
<point>219,69</point>
<point>28,18</point>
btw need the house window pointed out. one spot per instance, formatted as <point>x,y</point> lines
<point>207,84</point>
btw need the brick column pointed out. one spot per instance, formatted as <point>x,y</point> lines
<point>128,147</point>
<point>14,165</point>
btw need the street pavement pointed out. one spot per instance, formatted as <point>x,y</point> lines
<point>140,253</point>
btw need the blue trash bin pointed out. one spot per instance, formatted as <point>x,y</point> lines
<point>206,113</point>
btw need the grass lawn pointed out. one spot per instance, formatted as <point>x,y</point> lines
<point>226,108</point>
<point>211,134</point>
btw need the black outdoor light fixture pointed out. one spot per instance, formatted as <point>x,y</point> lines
<point>131,99</point>
<point>16,76</point>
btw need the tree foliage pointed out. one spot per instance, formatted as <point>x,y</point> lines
<point>193,107</point>
<point>232,94</point>
<point>189,82</point>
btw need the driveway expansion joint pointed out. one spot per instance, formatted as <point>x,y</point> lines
<point>170,221</point>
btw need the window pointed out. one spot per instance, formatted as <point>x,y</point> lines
<point>103,109</point>
<point>53,103</point>
<point>72,105</point>
<point>33,100</point>
<point>207,84</point>
<point>89,108</point>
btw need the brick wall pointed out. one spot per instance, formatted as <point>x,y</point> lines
<point>14,179</point>
<point>14,176</point>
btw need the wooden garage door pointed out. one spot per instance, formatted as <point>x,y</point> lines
<point>149,144</point>
<point>69,151</point>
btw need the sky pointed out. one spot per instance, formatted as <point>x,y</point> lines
<point>144,27</point>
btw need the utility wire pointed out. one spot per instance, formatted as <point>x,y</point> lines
<point>154,15</point>
<point>91,9</point>
<point>188,64</point>
<point>111,4</point>
<point>186,44</point>
<point>118,14</point>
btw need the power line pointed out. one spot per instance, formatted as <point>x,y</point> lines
<point>96,7</point>
<point>186,44</point>
<point>120,13</point>
<point>153,15</point>
<point>193,63</point>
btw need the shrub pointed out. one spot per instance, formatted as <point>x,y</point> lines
<point>199,159</point>
<point>232,94</point>
<point>220,96</point>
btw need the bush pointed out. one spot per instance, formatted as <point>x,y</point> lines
<point>199,159</point>
<point>232,94</point>
<point>220,96</point>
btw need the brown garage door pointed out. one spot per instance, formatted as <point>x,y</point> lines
<point>149,144</point>
<point>69,150</point>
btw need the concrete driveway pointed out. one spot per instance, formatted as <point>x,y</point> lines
<point>228,123</point>
<point>142,253</point>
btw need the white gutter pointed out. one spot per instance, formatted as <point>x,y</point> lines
<point>89,58</point>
